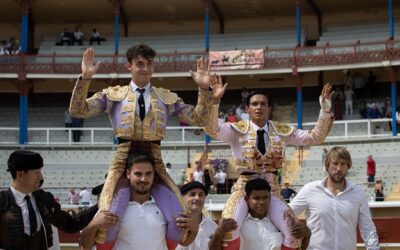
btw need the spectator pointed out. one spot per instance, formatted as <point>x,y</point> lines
<point>231,117</point>
<point>338,106</point>
<point>77,123</point>
<point>169,169</point>
<point>287,193</point>
<point>335,207</point>
<point>66,37</point>
<point>245,93</point>
<point>349,80</point>
<point>371,169</point>
<point>220,180</point>
<point>244,116</point>
<point>239,110</point>
<point>95,37</point>
<point>3,48</point>
<point>379,196</point>
<point>198,174</point>
<point>207,179</point>
<point>348,95</point>
<point>13,46</point>
<point>359,85</point>
<point>78,36</point>
<point>221,117</point>
<point>84,197</point>
<point>194,196</point>
<point>67,119</point>
<point>181,178</point>
<point>73,197</point>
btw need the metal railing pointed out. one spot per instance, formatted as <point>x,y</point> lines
<point>347,129</point>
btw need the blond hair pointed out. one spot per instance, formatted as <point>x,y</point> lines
<point>338,153</point>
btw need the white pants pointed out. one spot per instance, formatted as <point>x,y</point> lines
<point>349,107</point>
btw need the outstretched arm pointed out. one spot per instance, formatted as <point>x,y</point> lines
<point>321,130</point>
<point>81,107</point>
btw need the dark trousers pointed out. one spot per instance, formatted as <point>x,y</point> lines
<point>221,188</point>
<point>371,178</point>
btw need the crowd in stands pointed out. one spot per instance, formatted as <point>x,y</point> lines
<point>70,38</point>
<point>10,46</point>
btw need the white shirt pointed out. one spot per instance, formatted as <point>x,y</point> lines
<point>256,234</point>
<point>207,228</point>
<point>21,202</point>
<point>220,177</point>
<point>348,94</point>
<point>146,96</point>
<point>85,196</point>
<point>333,219</point>
<point>143,226</point>
<point>78,35</point>
<point>198,176</point>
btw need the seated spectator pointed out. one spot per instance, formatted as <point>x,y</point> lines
<point>96,37</point>
<point>221,117</point>
<point>13,46</point>
<point>78,36</point>
<point>3,48</point>
<point>379,196</point>
<point>66,37</point>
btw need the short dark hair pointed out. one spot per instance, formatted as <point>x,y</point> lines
<point>139,157</point>
<point>258,92</point>
<point>140,49</point>
<point>256,184</point>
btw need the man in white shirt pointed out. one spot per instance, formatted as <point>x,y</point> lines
<point>335,206</point>
<point>257,231</point>
<point>194,195</point>
<point>84,197</point>
<point>220,179</point>
<point>198,174</point>
<point>143,225</point>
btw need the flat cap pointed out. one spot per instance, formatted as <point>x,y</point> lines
<point>192,185</point>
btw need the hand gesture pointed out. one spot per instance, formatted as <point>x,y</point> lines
<point>226,225</point>
<point>88,68</point>
<point>202,75</point>
<point>187,221</point>
<point>300,230</point>
<point>326,98</point>
<point>218,88</point>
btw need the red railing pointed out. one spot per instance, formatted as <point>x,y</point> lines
<point>379,51</point>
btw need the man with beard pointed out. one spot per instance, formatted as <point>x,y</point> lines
<point>334,207</point>
<point>143,225</point>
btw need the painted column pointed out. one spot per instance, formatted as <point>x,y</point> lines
<point>207,25</point>
<point>391,23</point>
<point>394,101</point>
<point>23,89</point>
<point>298,23</point>
<point>298,79</point>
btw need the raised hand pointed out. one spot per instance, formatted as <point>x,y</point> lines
<point>218,88</point>
<point>88,66</point>
<point>326,98</point>
<point>202,75</point>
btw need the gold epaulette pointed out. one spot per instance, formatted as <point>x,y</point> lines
<point>166,96</point>
<point>241,126</point>
<point>116,93</point>
<point>282,128</point>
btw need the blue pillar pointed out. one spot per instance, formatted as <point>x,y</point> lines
<point>24,33</point>
<point>116,33</point>
<point>207,27</point>
<point>299,93</point>
<point>23,119</point>
<point>298,23</point>
<point>394,101</point>
<point>391,28</point>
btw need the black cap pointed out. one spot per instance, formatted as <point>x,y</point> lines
<point>22,160</point>
<point>191,185</point>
